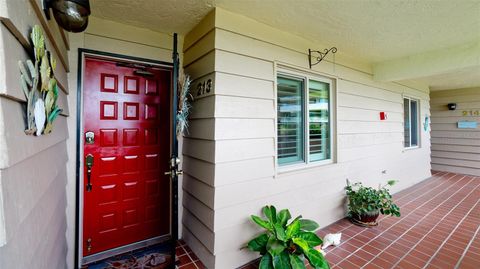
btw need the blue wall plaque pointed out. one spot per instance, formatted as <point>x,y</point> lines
<point>467,125</point>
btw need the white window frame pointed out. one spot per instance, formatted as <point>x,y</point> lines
<point>410,98</point>
<point>306,76</point>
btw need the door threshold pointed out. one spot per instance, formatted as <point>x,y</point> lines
<point>124,249</point>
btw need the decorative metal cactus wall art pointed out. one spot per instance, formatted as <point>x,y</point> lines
<point>40,87</point>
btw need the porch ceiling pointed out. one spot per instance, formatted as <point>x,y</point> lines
<point>376,31</point>
<point>466,78</point>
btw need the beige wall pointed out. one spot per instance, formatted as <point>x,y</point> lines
<point>453,149</point>
<point>105,36</point>
<point>230,169</point>
<point>198,146</point>
<point>32,169</point>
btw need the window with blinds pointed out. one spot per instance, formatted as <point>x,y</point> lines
<point>290,120</point>
<point>303,120</point>
<point>319,120</point>
<point>411,122</point>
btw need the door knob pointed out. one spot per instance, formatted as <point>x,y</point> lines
<point>174,162</point>
<point>174,173</point>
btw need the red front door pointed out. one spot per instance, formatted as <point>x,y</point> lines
<point>129,114</point>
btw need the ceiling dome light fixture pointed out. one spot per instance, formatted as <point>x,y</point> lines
<point>71,15</point>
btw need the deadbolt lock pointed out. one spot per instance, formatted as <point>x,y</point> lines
<point>89,137</point>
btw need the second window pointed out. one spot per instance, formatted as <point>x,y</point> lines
<point>411,122</point>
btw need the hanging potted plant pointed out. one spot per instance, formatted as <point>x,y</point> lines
<point>365,204</point>
<point>284,244</point>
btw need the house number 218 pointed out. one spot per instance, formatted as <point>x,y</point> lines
<point>204,87</point>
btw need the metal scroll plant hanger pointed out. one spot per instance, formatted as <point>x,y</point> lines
<point>184,105</point>
<point>320,55</point>
<point>40,87</point>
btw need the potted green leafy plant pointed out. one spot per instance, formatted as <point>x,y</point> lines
<point>286,245</point>
<point>365,204</point>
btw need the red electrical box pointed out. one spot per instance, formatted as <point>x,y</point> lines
<point>383,115</point>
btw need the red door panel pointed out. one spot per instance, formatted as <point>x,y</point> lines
<point>130,117</point>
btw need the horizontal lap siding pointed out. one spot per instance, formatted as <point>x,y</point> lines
<point>243,107</point>
<point>251,88</point>
<point>125,47</point>
<point>33,171</point>
<point>35,202</point>
<point>240,150</point>
<point>245,178</point>
<point>198,149</point>
<point>199,209</point>
<point>453,149</point>
<point>244,170</point>
<point>199,169</point>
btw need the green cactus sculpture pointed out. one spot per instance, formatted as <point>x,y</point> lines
<point>40,87</point>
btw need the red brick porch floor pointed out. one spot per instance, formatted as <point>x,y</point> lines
<point>185,257</point>
<point>439,228</point>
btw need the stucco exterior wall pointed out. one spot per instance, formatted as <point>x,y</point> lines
<point>32,169</point>
<point>230,166</point>
<point>112,37</point>
<point>453,149</point>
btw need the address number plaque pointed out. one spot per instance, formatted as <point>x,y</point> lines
<point>204,87</point>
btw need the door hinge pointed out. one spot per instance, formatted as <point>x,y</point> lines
<point>89,244</point>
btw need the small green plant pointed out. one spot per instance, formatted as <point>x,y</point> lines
<point>286,245</point>
<point>364,200</point>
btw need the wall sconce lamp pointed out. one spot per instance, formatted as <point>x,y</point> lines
<point>320,55</point>
<point>452,106</point>
<point>71,15</point>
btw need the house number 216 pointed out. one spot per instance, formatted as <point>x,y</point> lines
<point>204,87</point>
